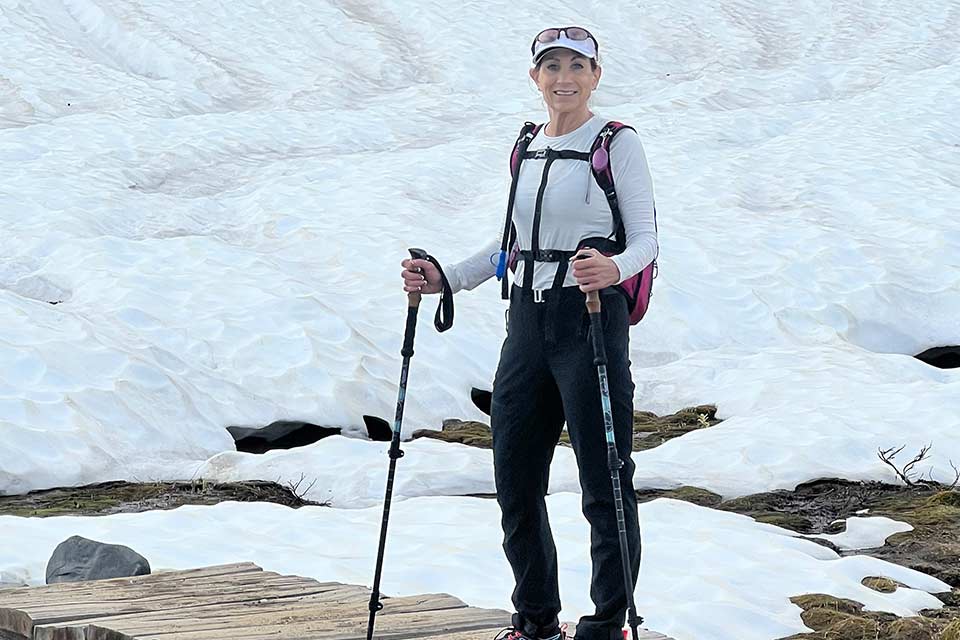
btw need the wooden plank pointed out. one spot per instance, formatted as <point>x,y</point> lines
<point>411,625</point>
<point>121,596</point>
<point>15,623</point>
<point>123,604</point>
<point>72,591</point>
<point>9,635</point>
<point>476,634</point>
<point>235,602</point>
<point>643,634</point>
<point>281,619</point>
<point>21,609</point>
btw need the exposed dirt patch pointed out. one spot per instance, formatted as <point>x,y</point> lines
<point>814,507</point>
<point>840,619</point>
<point>696,495</point>
<point>125,497</point>
<point>649,429</point>
<point>933,547</point>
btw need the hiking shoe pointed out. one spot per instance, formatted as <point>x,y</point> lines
<point>511,633</point>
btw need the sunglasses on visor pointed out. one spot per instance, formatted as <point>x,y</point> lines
<point>553,34</point>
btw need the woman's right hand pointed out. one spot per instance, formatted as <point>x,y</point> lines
<point>420,275</point>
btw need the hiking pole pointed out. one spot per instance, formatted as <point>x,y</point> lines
<point>613,459</point>
<point>373,423</point>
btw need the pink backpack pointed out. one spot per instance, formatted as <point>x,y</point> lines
<point>638,288</point>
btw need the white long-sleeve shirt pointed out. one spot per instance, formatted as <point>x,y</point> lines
<point>574,208</point>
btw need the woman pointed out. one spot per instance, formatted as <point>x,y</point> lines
<point>546,373</point>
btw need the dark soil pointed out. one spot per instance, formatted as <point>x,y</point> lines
<point>933,547</point>
<point>840,619</point>
<point>125,497</point>
<point>649,429</point>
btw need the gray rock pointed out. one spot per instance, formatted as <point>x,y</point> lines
<point>77,559</point>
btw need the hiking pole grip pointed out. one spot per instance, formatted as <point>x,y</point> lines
<point>596,328</point>
<point>408,332</point>
<point>413,306</point>
<point>413,297</point>
<point>593,302</point>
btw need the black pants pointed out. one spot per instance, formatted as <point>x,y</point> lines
<point>538,385</point>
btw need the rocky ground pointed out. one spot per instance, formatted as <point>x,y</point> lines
<point>820,506</point>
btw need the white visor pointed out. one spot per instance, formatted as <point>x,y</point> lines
<point>583,47</point>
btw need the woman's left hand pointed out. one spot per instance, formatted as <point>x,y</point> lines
<point>596,272</point>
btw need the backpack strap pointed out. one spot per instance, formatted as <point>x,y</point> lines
<point>527,133</point>
<point>603,174</point>
<point>557,154</point>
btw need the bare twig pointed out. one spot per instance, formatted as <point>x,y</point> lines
<point>907,474</point>
<point>890,454</point>
<point>919,457</point>
<point>887,455</point>
<point>295,488</point>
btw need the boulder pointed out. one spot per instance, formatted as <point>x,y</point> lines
<point>77,559</point>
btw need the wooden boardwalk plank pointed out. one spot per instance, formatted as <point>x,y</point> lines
<point>331,614</point>
<point>123,599</point>
<point>235,602</point>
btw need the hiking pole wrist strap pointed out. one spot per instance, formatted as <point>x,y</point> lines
<point>443,319</point>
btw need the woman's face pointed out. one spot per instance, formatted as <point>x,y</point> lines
<point>566,80</point>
